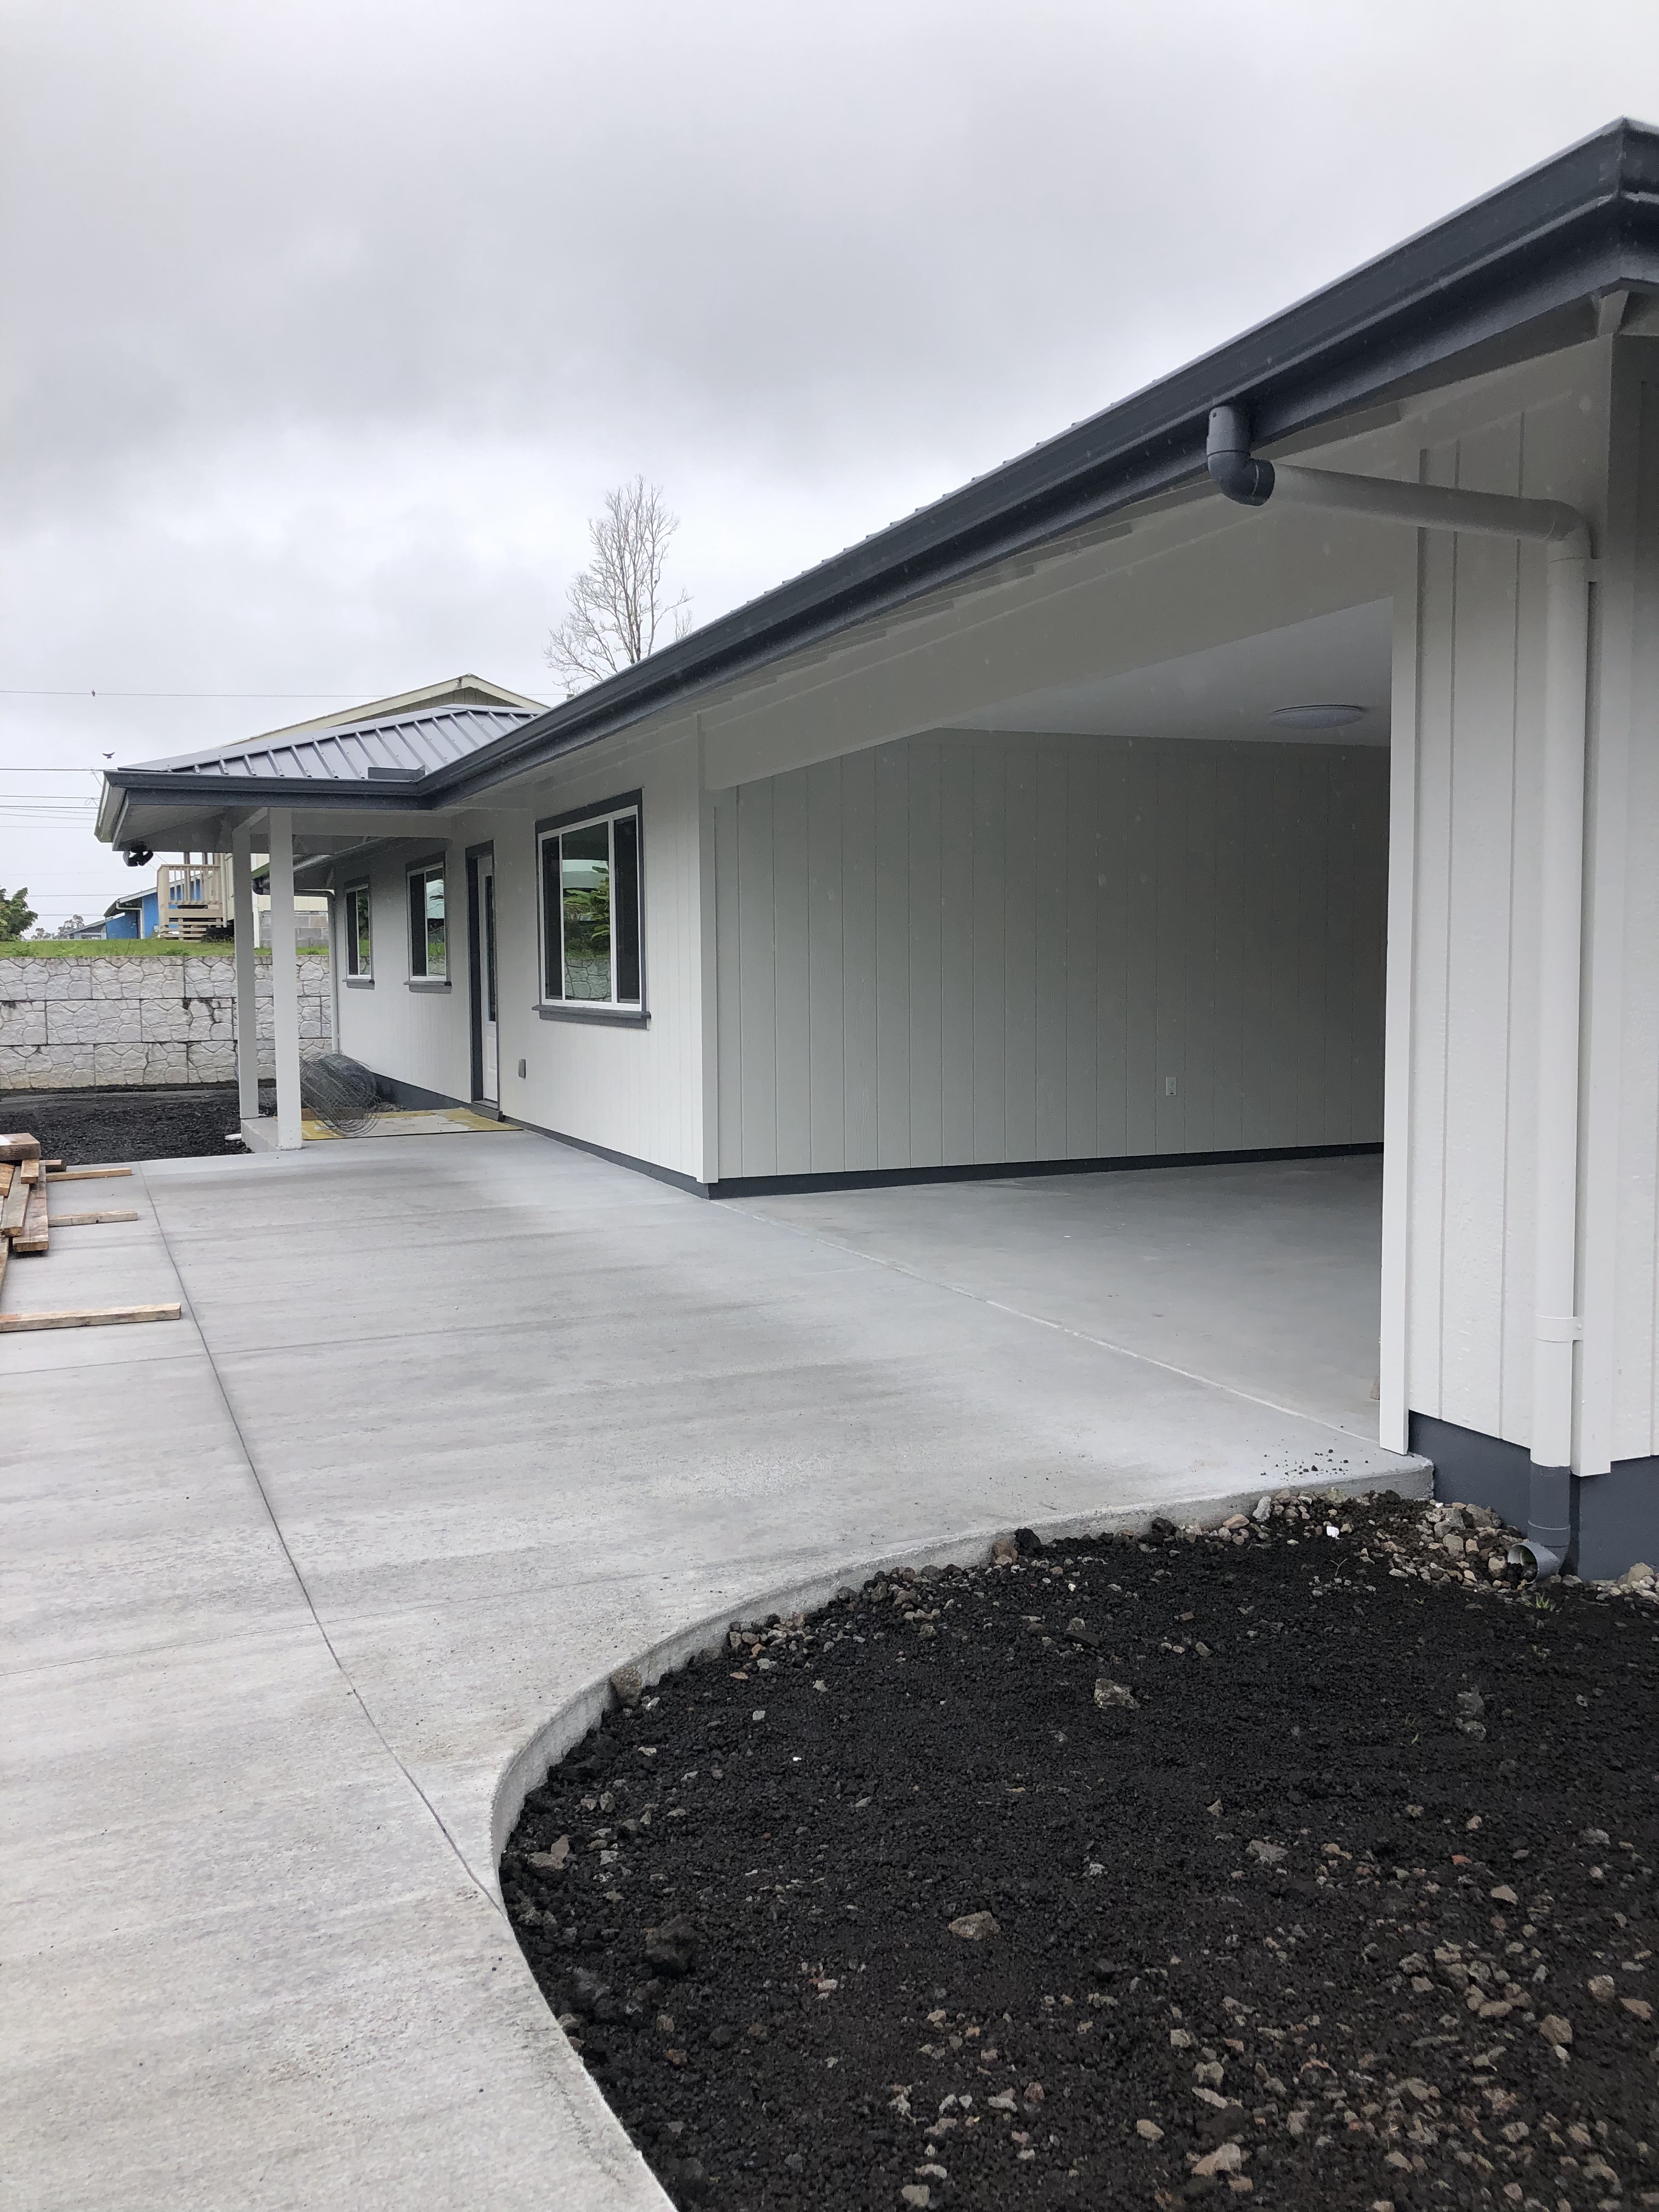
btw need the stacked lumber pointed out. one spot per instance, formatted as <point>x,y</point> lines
<point>26,1226</point>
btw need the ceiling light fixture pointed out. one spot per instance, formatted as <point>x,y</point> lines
<point>1316,717</point>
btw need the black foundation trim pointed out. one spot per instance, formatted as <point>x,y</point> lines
<point>1612,1519</point>
<point>1005,1171</point>
<point>671,1175</point>
<point>411,1098</point>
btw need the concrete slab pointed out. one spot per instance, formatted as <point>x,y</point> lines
<point>448,1431</point>
<point>1262,1275</point>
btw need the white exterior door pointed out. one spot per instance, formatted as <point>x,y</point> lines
<point>484,982</point>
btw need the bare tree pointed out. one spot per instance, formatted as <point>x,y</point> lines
<point>617,607</point>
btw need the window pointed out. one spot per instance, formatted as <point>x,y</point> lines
<point>428,951</point>
<point>359,939</point>
<point>590,910</point>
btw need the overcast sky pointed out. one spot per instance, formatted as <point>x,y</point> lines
<point>328,323</point>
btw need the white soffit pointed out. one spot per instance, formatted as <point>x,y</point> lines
<point>1229,690</point>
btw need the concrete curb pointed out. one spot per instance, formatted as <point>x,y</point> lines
<point>527,1768</point>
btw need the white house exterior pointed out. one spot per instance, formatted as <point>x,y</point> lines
<point>990,843</point>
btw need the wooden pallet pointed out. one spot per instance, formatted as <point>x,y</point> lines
<point>26,1225</point>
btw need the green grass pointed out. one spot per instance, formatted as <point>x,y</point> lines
<point>126,948</point>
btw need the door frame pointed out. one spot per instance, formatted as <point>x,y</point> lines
<point>474,969</point>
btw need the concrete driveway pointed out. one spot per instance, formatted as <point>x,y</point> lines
<point>453,1426</point>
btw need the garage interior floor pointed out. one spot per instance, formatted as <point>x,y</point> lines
<point>448,1431</point>
<point>1262,1276</point>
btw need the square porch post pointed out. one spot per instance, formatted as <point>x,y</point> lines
<point>284,981</point>
<point>247,1008</point>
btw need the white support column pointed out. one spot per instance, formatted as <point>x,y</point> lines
<point>284,981</point>
<point>247,1005</point>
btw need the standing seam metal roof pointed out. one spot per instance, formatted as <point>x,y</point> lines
<point>416,743</point>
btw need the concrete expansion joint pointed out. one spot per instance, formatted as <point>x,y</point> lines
<point>486,1889</point>
<point>1060,1327</point>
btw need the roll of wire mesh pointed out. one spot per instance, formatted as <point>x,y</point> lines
<point>341,1093</point>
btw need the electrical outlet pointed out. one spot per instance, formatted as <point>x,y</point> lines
<point>1169,1086</point>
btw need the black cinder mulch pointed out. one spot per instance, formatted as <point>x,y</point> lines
<point>91,1128</point>
<point>1354,1907</point>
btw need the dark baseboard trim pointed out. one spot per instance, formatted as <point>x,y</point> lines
<point>671,1175</point>
<point>410,1096</point>
<point>784,1186</point>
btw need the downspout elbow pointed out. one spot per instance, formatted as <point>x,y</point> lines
<point>1233,470</point>
<point>1569,539</point>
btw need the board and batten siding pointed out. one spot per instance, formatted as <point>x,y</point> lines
<point>1475,946</point>
<point>1620,1139</point>
<point>963,949</point>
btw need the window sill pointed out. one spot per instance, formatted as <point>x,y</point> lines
<point>615,1017</point>
<point>358,982</point>
<point>426,984</point>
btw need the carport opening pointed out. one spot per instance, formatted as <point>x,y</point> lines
<point>1135,923</point>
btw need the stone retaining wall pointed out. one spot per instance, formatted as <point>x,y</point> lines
<point>65,1023</point>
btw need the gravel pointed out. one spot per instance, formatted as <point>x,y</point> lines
<point>1283,1930</point>
<point>91,1129</point>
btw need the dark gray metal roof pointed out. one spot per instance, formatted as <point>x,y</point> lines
<point>1512,275</point>
<point>393,748</point>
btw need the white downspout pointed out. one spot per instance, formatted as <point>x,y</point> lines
<point>1557,1327</point>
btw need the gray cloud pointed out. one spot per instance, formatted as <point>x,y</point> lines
<point>328,324</point>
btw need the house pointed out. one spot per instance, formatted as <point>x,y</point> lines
<point>1268,764</point>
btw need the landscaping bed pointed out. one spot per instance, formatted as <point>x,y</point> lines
<point>1315,1869</point>
<point>86,1128</point>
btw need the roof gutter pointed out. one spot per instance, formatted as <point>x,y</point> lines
<point>1565,535</point>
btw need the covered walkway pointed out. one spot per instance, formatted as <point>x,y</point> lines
<point>448,1431</point>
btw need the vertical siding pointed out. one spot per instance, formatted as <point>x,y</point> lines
<point>1635,1425</point>
<point>1621,1132</point>
<point>1474,929</point>
<point>893,957</point>
<point>958,949</point>
<point>919,862</point>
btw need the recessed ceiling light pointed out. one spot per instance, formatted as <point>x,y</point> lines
<point>1317,718</point>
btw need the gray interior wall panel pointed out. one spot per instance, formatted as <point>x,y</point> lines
<point>961,949</point>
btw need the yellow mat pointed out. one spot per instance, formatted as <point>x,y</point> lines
<point>435,1121</point>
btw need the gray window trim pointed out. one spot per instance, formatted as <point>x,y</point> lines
<point>342,901</point>
<point>629,1014</point>
<point>429,864</point>
<point>598,1015</point>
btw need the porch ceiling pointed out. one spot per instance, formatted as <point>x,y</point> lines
<point>1229,690</point>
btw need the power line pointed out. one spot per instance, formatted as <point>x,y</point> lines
<point>14,692</point>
